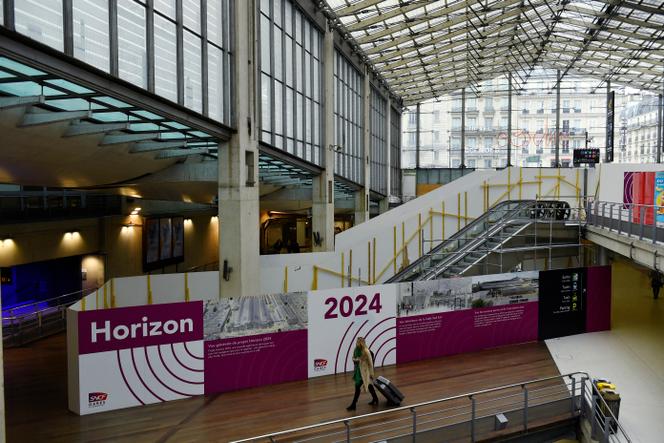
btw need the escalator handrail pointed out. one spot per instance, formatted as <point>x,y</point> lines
<point>460,233</point>
<point>508,215</point>
<point>471,245</point>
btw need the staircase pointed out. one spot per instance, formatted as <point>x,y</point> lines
<point>493,232</point>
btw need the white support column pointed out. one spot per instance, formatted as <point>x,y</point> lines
<point>362,196</point>
<point>322,210</point>
<point>239,229</point>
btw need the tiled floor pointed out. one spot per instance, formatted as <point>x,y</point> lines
<point>631,355</point>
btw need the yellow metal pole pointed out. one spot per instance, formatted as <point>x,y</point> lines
<point>394,243</point>
<point>186,287</point>
<point>105,297</point>
<point>558,186</point>
<point>373,262</point>
<point>149,291</point>
<point>369,262</point>
<point>484,203</point>
<point>112,293</point>
<point>419,235</point>
<point>83,302</point>
<point>442,222</point>
<point>578,190</point>
<point>465,208</point>
<point>430,229</point>
<point>458,211</point>
<point>314,281</point>
<point>403,236</point>
<point>539,184</point>
<point>342,270</point>
<point>350,268</point>
<point>285,279</point>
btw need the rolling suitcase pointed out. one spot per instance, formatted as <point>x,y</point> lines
<point>389,391</point>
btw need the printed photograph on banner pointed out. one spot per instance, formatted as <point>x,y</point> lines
<point>264,314</point>
<point>432,296</point>
<point>338,316</point>
<point>504,289</point>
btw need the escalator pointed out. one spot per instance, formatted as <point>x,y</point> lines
<point>489,233</point>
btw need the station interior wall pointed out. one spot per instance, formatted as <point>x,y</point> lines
<point>117,246</point>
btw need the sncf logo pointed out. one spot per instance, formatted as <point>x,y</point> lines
<point>96,399</point>
<point>320,364</point>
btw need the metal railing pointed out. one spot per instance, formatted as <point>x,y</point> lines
<point>24,323</point>
<point>471,416</point>
<point>631,219</point>
<point>604,425</point>
<point>525,221</point>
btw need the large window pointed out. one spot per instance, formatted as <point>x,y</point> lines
<point>132,50</point>
<point>150,36</point>
<point>165,57</point>
<point>290,80</point>
<point>348,120</point>
<point>91,36</point>
<point>379,148</point>
<point>395,153</point>
<point>41,21</point>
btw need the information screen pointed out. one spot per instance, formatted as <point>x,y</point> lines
<point>586,156</point>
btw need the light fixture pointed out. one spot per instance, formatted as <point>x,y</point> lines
<point>187,221</point>
<point>6,241</point>
<point>135,211</point>
<point>214,218</point>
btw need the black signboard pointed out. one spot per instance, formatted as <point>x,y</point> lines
<point>610,102</point>
<point>589,156</point>
<point>562,302</point>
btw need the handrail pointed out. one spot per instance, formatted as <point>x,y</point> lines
<point>409,408</point>
<point>460,233</point>
<point>595,392</point>
<point>8,313</point>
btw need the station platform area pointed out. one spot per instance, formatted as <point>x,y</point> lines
<point>37,393</point>
<point>631,354</point>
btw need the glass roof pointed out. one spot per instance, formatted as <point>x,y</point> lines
<point>424,49</point>
<point>58,95</point>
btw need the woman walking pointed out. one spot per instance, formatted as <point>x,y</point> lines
<point>363,374</point>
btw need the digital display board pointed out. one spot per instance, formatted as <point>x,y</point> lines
<point>589,156</point>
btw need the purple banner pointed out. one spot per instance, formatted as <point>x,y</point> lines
<point>454,332</point>
<point>256,360</point>
<point>598,310</point>
<point>139,326</point>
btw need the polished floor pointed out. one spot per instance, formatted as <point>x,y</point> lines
<point>631,355</point>
<point>36,397</point>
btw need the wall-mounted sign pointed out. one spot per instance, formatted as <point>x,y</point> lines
<point>163,242</point>
<point>5,276</point>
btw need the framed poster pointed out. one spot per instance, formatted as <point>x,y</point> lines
<point>177,225</point>
<point>151,243</point>
<point>166,239</point>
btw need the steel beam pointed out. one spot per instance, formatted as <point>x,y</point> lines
<point>83,128</point>
<point>118,139</point>
<point>179,153</point>
<point>150,146</point>
<point>45,118</point>
<point>14,102</point>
